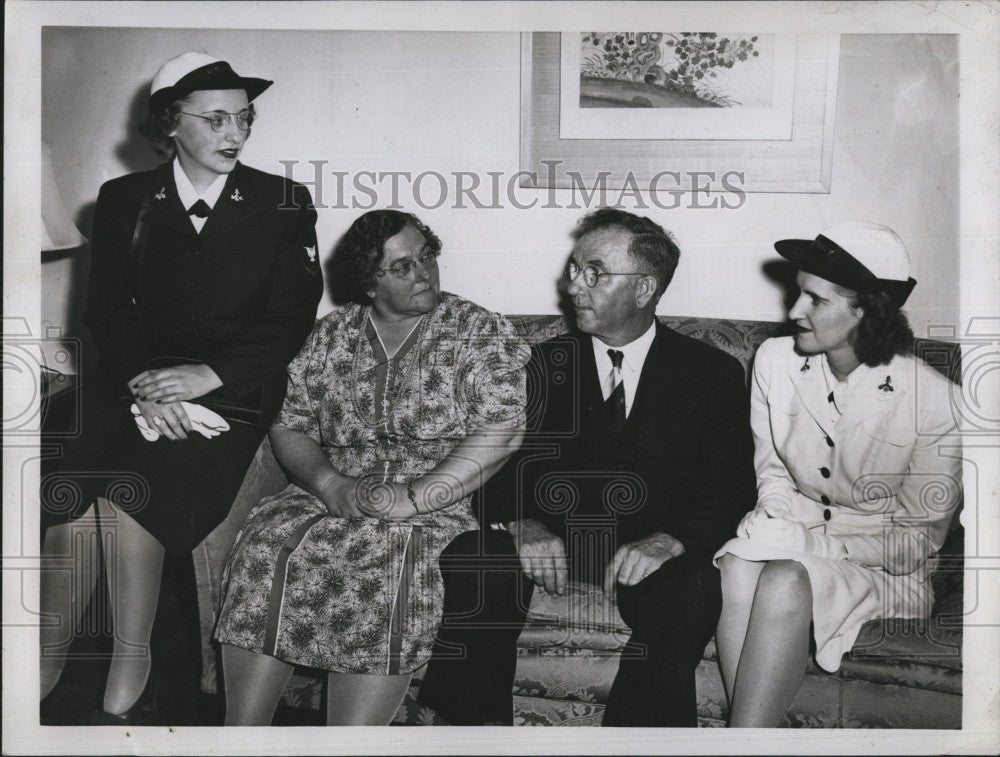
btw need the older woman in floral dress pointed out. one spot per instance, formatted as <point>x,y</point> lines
<point>399,406</point>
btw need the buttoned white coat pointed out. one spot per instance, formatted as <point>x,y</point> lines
<point>877,489</point>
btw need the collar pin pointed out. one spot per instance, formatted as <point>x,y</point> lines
<point>887,385</point>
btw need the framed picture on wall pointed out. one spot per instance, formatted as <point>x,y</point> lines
<point>678,110</point>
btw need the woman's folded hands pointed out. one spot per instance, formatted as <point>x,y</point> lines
<point>772,524</point>
<point>168,418</point>
<point>365,497</point>
<point>175,384</point>
<point>781,533</point>
<point>760,513</point>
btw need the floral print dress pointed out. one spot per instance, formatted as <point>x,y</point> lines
<point>364,595</point>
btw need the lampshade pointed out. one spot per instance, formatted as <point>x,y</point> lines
<point>58,231</point>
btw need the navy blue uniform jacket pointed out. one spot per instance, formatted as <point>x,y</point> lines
<point>241,295</point>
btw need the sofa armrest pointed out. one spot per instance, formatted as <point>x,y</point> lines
<point>263,478</point>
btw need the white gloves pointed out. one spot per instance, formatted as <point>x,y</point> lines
<point>773,526</point>
<point>783,534</point>
<point>204,421</point>
<point>758,514</point>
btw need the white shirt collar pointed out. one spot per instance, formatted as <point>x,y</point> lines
<point>633,358</point>
<point>189,195</point>
<point>842,390</point>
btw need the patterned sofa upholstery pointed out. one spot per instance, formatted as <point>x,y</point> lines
<point>900,674</point>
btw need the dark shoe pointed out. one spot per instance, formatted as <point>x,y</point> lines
<point>143,712</point>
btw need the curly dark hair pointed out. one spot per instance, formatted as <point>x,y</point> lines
<point>157,127</point>
<point>651,245</point>
<point>883,330</point>
<point>358,254</point>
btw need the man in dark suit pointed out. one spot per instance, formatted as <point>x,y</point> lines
<point>637,466</point>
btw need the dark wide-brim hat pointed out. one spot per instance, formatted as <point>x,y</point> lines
<point>859,255</point>
<point>190,72</point>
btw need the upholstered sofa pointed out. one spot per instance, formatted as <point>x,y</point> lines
<point>901,674</point>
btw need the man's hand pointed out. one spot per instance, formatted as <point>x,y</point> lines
<point>180,383</point>
<point>634,561</point>
<point>542,553</point>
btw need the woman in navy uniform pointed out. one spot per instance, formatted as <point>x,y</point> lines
<point>204,284</point>
<point>858,472</point>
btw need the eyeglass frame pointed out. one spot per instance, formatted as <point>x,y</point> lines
<point>428,260</point>
<point>230,118</point>
<point>596,275</point>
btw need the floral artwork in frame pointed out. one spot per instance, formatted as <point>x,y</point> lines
<point>769,130</point>
<point>677,85</point>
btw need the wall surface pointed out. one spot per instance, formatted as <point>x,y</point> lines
<point>447,102</point>
<point>444,95</point>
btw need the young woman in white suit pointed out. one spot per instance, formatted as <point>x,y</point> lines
<point>858,472</point>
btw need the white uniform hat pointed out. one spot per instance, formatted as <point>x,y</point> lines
<point>190,72</point>
<point>860,255</point>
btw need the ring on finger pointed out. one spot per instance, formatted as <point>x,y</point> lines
<point>157,420</point>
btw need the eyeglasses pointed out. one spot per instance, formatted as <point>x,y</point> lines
<point>591,275</point>
<point>220,119</point>
<point>404,268</point>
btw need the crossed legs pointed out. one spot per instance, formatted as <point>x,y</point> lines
<point>763,637</point>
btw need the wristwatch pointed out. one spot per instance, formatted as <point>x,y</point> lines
<point>412,495</point>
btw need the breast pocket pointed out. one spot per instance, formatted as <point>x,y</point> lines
<point>887,450</point>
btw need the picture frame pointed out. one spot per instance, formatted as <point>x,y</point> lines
<point>802,163</point>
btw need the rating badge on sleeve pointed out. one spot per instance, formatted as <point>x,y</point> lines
<point>312,259</point>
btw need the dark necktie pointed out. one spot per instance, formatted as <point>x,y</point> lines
<point>199,209</point>
<point>616,401</point>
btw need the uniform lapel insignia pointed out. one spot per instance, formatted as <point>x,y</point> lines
<point>236,200</point>
<point>311,253</point>
<point>805,366</point>
<point>166,208</point>
<point>872,399</point>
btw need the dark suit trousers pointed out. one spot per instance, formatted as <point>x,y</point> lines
<point>672,614</point>
<point>486,599</point>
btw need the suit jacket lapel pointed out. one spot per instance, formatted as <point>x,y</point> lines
<point>665,383</point>
<point>588,383</point>
<point>165,207</point>
<point>811,388</point>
